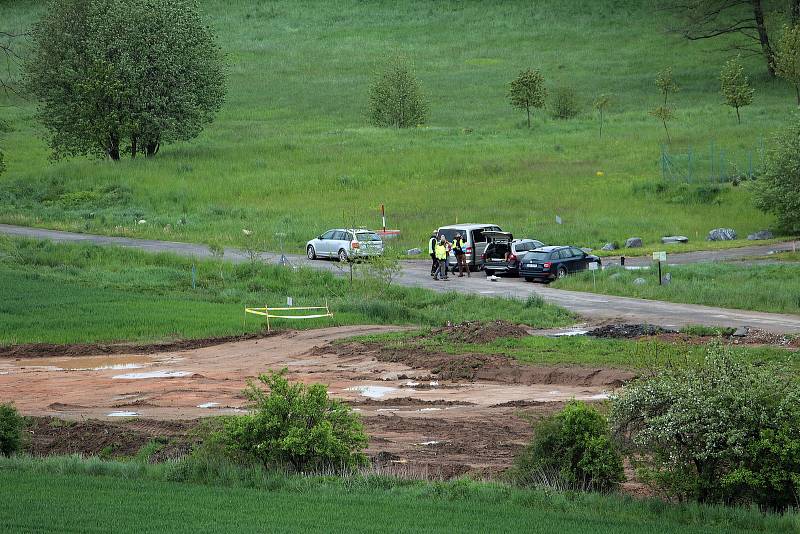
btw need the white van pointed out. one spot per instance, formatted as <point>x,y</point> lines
<point>476,242</point>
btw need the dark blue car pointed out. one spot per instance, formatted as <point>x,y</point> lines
<point>545,264</point>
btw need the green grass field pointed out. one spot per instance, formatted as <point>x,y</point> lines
<point>579,350</point>
<point>768,288</point>
<point>95,496</point>
<point>57,293</point>
<point>292,152</point>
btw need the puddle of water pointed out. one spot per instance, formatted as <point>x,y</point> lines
<point>429,409</point>
<point>411,384</point>
<point>123,414</point>
<point>208,405</point>
<point>373,392</point>
<point>88,363</point>
<point>600,396</point>
<point>554,392</point>
<point>152,374</point>
<point>429,443</point>
<point>571,333</point>
<point>434,383</point>
<point>387,409</point>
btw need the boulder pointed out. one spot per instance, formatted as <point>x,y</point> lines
<point>761,234</point>
<point>674,239</point>
<point>610,246</point>
<point>666,279</point>
<point>633,242</point>
<point>722,234</point>
<point>639,282</point>
<point>414,251</point>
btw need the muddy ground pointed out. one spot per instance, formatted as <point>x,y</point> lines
<point>441,413</point>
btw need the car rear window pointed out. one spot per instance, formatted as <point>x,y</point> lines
<point>536,256</point>
<point>368,236</point>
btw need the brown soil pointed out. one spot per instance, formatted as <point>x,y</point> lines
<point>482,332</point>
<point>437,413</point>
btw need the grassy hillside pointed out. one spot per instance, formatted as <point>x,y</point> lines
<point>292,152</point>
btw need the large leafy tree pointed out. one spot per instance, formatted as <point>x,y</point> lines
<point>123,76</point>
<point>787,56</point>
<point>527,91</point>
<point>396,97</point>
<point>777,191</point>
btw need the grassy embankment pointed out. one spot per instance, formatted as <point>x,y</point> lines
<point>292,152</point>
<point>768,287</point>
<point>57,293</point>
<point>580,350</point>
<point>94,495</point>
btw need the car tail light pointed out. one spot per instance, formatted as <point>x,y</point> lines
<point>355,244</point>
<point>469,251</point>
<point>483,257</point>
<point>547,265</point>
<point>512,257</point>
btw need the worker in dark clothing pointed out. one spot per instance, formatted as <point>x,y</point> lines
<point>432,253</point>
<point>458,249</point>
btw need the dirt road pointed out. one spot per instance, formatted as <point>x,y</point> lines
<point>418,410</point>
<point>589,305</point>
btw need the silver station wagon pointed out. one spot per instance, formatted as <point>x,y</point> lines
<point>345,244</point>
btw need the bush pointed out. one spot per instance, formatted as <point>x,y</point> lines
<point>570,449</point>
<point>298,425</point>
<point>396,98</point>
<point>723,430</point>
<point>776,191</point>
<point>11,424</point>
<point>564,103</point>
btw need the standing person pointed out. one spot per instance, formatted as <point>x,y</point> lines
<point>461,257</point>
<point>432,253</point>
<point>441,257</point>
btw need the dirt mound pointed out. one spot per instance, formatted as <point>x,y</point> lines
<point>44,350</point>
<point>411,401</point>
<point>490,367</point>
<point>629,330</point>
<point>482,332</point>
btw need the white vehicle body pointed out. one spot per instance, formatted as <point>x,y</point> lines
<point>345,244</point>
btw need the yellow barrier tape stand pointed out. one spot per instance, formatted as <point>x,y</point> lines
<point>266,311</point>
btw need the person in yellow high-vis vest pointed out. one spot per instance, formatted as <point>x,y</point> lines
<point>441,257</point>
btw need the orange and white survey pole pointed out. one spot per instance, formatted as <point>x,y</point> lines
<point>383,218</point>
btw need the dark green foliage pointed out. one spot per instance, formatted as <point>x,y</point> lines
<point>395,96</point>
<point>527,91</point>
<point>573,446</point>
<point>564,103</point>
<point>11,424</point>
<point>723,430</point>
<point>777,191</point>
<point>298,425</point>
<point>123,76</point>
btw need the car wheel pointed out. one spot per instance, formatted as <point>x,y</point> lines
<point>311,253</point>
<point>562,272</point>
<point>528,279</point>
<point>343,256</point>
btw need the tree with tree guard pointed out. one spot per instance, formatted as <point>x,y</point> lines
<point>666,86</point>
<point>601,104</point>
<point>735,86</point>
<point>123,76</point>
<point>787,57</point>
<point>527,91</point>
<point>396,97</point>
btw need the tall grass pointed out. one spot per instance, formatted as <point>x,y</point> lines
<point>93,494</point>
<point>768,288</point>
<point>291,150</point>
<point>60,293</point>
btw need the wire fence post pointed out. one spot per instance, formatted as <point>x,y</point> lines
<point>689,165</point>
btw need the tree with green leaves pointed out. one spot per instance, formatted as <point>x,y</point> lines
<point>601,104</point>
<point>396,97</point>
<point>787,57</point>
<point>123,76</point>
<point>667,86</point>
<point>777,191</point>
<point>735,86</point>
<point>527,91</point>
